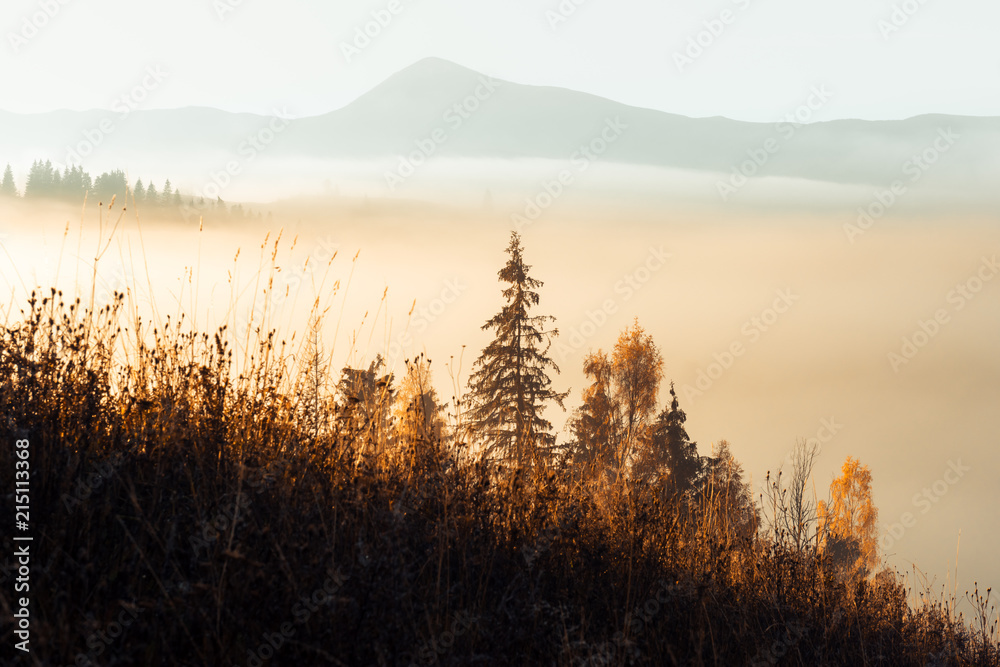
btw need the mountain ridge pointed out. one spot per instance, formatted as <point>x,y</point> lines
<point>469,115</point>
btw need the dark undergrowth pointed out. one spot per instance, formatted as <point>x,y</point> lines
<point>184,513</point>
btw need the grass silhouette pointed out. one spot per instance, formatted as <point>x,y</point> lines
<point>197,491</point>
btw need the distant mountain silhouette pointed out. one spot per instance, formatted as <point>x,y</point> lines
<point>515,121</point>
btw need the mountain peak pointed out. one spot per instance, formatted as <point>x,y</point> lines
<point>434,66</point>
<point>431,76</point>
<point>426,88</point>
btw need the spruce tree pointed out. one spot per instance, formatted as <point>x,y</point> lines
<point>417,413</point>
<point>418,419</point>
<point>722,491</point>
<point>7,187</point>
<point>363,404</point>
<point>313,377</point>
<point>667,455</point>
<point>509,386</point>
<point>51,180</point>
<point>596,424</point>
<point>139,192</point>
<point>72,183</point>
<point>108,185</point>
<point>39,182</point>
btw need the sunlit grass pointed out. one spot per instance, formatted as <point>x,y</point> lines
<point>213,480</point>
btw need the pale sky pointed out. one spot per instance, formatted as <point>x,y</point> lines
<point>258,55</point>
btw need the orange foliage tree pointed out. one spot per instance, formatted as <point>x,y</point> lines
<point>618,406</point>
<point>636,368</point>
<point>849,523</point>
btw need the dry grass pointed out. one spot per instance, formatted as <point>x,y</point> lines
<point>199,494</point>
